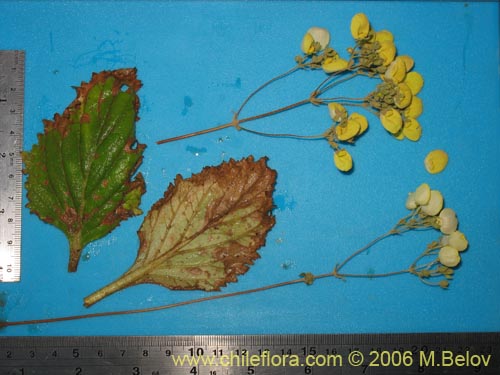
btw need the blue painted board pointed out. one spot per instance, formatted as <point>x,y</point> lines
<point>198,61</point>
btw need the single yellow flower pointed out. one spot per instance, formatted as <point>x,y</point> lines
<point>414,81</point>
<point>360,26</point>
<point>337,112</point>
<point>342,160</point>
<point>396,71</point>
<point>414,109</point>
<point>391,120</point>
<point>456,239</point>
<point>423,194</point>
<point>412,129</point>
<point>361,120</point>
<point>409,63</point>
<point>387,52</point>
<point>384,36</point>
<point>435,204</point>
<point>403,96</point>
<point>436,161</point>
<point>334,64</point>
<point>448,221</point>
<point>448,256</point>
<point>315,35</point>
<point>348,130</point>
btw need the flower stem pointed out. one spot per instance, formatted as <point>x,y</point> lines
<point>236,122</point>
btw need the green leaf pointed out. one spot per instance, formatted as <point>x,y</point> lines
<point>80,171</point>
<point>205,231</point>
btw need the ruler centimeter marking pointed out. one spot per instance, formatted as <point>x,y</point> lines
<point>11,143</point>
<point>406,353</point>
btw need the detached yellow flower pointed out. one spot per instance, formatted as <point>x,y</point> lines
<point>391,120</point>
<point>448,256</point>
<point>348,130</point>
<point>436,161</point>
<point>337,112</point>
<point>412,129</point>
<point>334,64</point>
<point>342,160</point>
<point>316,39</point>
<point>403,96</point>
<point>414,81</point>
<point>387,52</point>
<point>414,109</point>
<point>361,120</point>
<point>360,26</point>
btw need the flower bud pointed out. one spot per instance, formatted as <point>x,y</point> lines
<point>448,256</point>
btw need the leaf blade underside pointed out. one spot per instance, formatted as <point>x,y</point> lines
<point>81,171</point>
<point>205,231</point>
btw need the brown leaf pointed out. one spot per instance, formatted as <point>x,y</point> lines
<point>205,231</point>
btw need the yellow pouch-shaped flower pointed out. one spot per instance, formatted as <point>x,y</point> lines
<point>334,64</point>
<point>391,120</point>
<point>396,71</point>
<point>348,130</point>
<point>436,161</point>
<point>342,160</point>
<point>403,96</point>
<point>360,26</point>
<point>414,109</point>
<point>412,129</point>
<point>414,81</point>
<point>387,52</point>
<point>361,120</point>
<point>337,112</point>
<point>314,35</point>
<point>384,36</point>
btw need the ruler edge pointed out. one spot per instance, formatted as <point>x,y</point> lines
<point>18,204</point>
<point>258,340</point>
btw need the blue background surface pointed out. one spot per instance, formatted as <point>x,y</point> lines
<point>198,61</point>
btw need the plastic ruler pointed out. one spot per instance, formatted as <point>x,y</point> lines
<point>11,141</point>
<point>413,353</point>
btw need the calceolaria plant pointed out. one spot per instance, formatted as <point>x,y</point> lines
<point>434,266</point>
<point>374,54</point>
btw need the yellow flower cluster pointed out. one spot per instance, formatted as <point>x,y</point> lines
<point>346,128</point>
<point>374,54</point>
<point>428,204</point>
